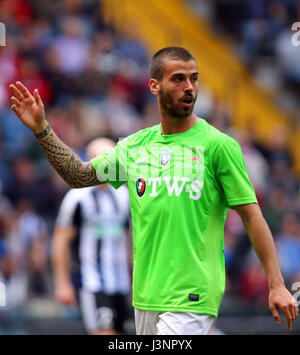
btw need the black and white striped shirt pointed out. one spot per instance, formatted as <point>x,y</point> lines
<point>101,246</point>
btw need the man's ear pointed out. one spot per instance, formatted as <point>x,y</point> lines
<point>154,86</point>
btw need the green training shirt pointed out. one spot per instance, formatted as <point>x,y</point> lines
<point>180,187</point>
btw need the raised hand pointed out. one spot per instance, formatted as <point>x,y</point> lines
<point>30,109</point>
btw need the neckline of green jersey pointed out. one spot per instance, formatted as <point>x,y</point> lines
<point>188,132</point>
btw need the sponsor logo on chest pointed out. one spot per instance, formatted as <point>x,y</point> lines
<point>140,186</point>
<point>193,157</point>
<point>174,186</point>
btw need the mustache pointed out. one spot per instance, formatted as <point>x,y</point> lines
<point>188,95</point>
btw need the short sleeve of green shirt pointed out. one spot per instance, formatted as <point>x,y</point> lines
<point>111,166</point>
<point>232,175</point>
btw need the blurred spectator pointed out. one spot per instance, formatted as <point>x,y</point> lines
<point>26,183</point>
<point>130,47</point>
<point>257,30</point>
<point>276,204</point>
<point>51,69</point>
<point>104,55</point>
<point>16,138</point>
<point>277,149</point>
<point>8,68</point>
<point>14,279</point>
<point>121,116</point>
<point>18,10</point>
<point>288,246</point>
<point>219,116</point>
<point>253,287</point>
<point>40,278</point>
<point>30,76</point>
<point>256,164</point>
<point>288,56</point>
<point>71,47</point>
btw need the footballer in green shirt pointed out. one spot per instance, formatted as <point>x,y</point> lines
<point>183,175</point>
<point>181,186</point>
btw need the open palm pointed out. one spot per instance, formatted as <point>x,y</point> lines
<point>30,109</point>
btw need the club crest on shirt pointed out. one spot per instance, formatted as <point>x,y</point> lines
<point>165,156</point>
<point>140,185</point>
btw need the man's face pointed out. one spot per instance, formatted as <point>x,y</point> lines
<point>177,91</point>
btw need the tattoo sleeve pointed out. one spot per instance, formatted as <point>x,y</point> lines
<point>70,167</point>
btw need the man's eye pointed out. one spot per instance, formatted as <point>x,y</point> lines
<point>194,78</point>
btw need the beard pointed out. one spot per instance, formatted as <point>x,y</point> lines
<point>172,109</point>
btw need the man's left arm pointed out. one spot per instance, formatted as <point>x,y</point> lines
<point>264,246</point>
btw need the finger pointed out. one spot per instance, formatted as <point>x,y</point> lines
<point>16,92</point>
<point>292,312</point>
<point>15,109</point>
<point>23,89</point>
<point>289,324</point>
<point>37,97</point>
<point>289,318</point>
<point>275,314</point>
<point>296,310</point>
<point>15,101</point>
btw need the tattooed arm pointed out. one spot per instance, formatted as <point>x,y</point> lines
<point>71,168</point>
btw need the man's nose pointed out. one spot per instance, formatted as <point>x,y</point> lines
<point>188,86</point>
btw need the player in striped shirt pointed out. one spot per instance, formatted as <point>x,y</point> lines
<point>93,223</point>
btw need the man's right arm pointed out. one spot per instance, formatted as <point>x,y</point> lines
<point>70,167</point>
<point>30,110</point>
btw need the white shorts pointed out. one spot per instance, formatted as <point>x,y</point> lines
<point>172,323</point>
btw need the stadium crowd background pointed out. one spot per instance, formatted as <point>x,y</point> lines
<point>93,82</point>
